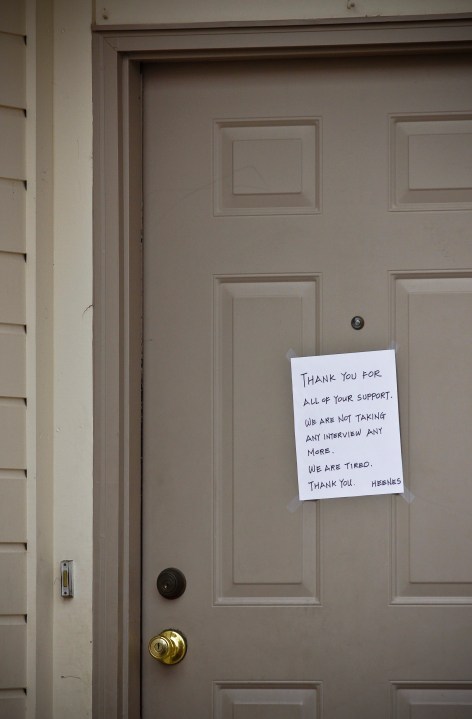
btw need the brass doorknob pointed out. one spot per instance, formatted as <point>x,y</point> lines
<point>168,647</point>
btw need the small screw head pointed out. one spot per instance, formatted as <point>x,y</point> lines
<point>357,322</point>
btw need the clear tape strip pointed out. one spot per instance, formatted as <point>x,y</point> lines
<point>408,496</point>
<point>294,504</point>
<point>291,354</point>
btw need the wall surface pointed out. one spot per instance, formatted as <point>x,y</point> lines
<point>14,530</point>
<point>46,477</point>
<point>141,12</point>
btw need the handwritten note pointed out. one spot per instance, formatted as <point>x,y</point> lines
<point>347,431</point>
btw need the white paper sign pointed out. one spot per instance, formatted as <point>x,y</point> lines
<point>346,425</point>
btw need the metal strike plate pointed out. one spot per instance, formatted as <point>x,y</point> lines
<point>67,578</point>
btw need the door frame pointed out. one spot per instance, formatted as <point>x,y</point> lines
<point>117,56</point>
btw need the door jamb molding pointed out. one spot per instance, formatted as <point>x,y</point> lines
<point>117,56</point>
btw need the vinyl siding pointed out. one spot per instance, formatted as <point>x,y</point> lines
<point>13,538</point>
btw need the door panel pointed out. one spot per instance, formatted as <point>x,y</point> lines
<point>280,200</point>
<point>260,168</point>
<point>432,162</point>
<point>267,701</point>
<point>433,537</point>
<point>430,701</point>
<point>258,319</point>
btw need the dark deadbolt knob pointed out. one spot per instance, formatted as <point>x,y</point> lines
<point>171,583</point>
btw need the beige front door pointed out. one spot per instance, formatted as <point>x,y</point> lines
<point>282,199</point>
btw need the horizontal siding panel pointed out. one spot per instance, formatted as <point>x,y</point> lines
<point>13,16</point>
<point>12,289</point>
<point>12,509</point>
<point>13,656</point>
<point>12,361</point>
<point>12,212</point>
<point>12,704</point>
<point>13,75</point>
<point>12,582</point>
<point>12,434</point>
<point>12,143</point>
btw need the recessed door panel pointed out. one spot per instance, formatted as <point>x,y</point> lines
<point>267,701</point>
<point>433,701</point>
<point>433,540</point>
<point>264,553</point>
